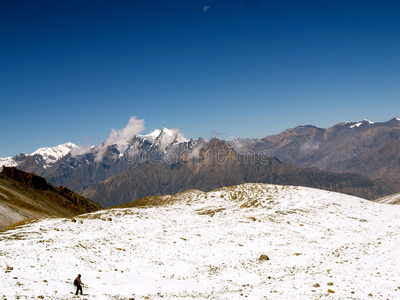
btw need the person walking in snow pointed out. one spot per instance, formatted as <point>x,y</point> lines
<point>78,284</point>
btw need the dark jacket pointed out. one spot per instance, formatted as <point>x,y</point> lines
<point>78,281</point>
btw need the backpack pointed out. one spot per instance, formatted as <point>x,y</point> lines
<point>76,282</point>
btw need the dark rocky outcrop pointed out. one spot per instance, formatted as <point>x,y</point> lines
<point>27,179</point>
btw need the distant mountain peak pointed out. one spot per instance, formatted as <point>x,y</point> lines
<point>168,138</point>
<point>62,149</point>
<point>50,155</point>
<point>165,136</point>
<point>152,135</point>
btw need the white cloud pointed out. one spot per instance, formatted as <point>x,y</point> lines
<point>309,146</point>
<point>121,137</point>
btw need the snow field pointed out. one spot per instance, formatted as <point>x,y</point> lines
<point>207,246</point>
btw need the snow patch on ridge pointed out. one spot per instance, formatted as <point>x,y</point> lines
<point>358,124</point>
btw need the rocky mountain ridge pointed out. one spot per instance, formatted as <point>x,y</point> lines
<point>367,148</point>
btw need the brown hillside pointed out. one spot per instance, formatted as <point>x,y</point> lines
<point>26,196</point>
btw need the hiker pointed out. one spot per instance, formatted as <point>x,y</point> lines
<point>78,284</point>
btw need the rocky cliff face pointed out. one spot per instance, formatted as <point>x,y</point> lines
<point>27,179</point>
<point>382,162</point>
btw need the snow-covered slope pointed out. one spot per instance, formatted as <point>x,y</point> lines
<point>199,245</point>
<point>391,199</point>
<point>151,137</point>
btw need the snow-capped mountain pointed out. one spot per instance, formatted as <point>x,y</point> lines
<point>159,140</point>
<point>8,162</point>
<point>78,167</point>
<point>51,155</point>
<point>165,138</point>
<point>251,241</point>
<point>45,157</point>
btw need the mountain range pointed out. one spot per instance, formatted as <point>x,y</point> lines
<point>368,148</point>
<point>165,162</point>
<point>218,165</point>
<point>79,167</point>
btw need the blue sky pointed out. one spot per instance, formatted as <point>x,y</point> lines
<point>73,70</point>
